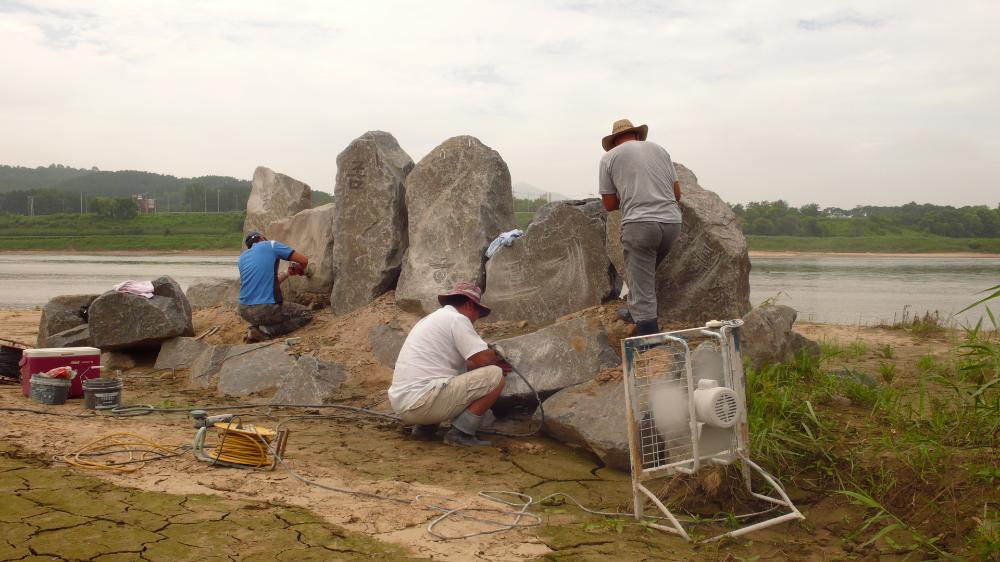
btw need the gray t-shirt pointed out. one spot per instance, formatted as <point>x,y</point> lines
<point>642,175</point>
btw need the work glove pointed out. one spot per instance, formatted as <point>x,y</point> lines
<point>295,268</point>
<point>505,367</point>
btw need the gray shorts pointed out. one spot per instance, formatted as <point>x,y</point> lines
<point>446,402</point>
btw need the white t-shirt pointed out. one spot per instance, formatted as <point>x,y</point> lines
<point>434,352</point>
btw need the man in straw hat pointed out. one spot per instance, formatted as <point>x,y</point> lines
<point>446,371</point>
<point>638,177</point>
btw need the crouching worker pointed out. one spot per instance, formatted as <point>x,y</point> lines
<point>260,288</point>
<point>445,371</point>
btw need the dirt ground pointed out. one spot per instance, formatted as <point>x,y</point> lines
<point>377,457</point>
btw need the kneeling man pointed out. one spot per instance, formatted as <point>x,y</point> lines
<point>446,371</point>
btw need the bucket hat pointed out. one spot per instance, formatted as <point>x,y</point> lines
<point>620,127</point>
<point>470,291</point>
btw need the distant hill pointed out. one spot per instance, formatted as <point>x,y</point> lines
<point>524,190</point>
<point>121,183</point>
<point>57,188</point>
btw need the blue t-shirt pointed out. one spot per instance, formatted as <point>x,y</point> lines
<point>259,272</point>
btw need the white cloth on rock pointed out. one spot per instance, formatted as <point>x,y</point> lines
<point>505,239</point>
<point>141,288</point>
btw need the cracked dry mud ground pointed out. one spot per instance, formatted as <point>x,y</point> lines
<point>56,514</point>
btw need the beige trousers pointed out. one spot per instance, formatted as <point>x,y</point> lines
<point>449,400</point>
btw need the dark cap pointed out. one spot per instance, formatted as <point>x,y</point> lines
<point>252,238</point>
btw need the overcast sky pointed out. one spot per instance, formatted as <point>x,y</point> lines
<point>876,102</point>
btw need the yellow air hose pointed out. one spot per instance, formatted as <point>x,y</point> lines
<point>247,445</point>
<point>118,443</point>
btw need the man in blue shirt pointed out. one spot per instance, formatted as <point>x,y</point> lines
<point>260,288</point>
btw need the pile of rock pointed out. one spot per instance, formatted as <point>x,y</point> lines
<point>253,369</point>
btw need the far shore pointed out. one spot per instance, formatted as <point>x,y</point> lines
<point>753,253</point>
<point>788,254</point>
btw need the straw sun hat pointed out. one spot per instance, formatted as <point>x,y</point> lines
<point>620,127</point>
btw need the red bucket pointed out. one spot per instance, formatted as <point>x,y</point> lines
<point>86,361</point>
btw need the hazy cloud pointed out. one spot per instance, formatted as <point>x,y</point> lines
<point>808,101</point>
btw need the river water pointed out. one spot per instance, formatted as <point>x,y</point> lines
<point>832,289</point>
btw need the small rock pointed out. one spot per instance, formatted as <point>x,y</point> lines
<point>310,381</point>
<point>73,337</point>
<point>251,368</point>
<point>117,360</point>
<point>179,353</point>
<point>386,340</point>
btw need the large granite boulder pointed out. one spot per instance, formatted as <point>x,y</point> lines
<point>206,293</point>
<point>591,415</point>
<point>370,220</point>
<point>179,353</point>
<point>253,368</point>
<point>556,357</point>
<point>458,199</point>
<point>560,265</point>
<point>311,233</point>
<point>767,336</point>
<point>62,313</point>
<point>707,274</point>
<point>123,320</point>
<point>386,341</point>
<point>77,336</point>
<point>274,196</point>
<point>310,381</point>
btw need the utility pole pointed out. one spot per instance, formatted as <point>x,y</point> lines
<point>205,207</point>
<point>31,206</point>
<point>217,200</point>
<point>81,202</point>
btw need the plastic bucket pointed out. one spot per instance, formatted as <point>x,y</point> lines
<point>49,391</point>
<point>102,394</point>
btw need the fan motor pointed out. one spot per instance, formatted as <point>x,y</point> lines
<point>715,405</point>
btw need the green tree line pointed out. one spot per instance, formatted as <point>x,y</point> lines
<point>778,218</point>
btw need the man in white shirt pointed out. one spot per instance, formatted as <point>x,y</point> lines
<point>446,371</point>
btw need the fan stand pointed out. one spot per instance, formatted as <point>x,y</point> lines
<point>642,448</point>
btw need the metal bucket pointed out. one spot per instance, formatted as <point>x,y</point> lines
<point>102,394</point>
<point>49,391</point>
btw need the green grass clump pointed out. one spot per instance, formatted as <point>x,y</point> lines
<point>893,449</point>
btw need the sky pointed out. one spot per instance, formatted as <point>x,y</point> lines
<point>837,103</point>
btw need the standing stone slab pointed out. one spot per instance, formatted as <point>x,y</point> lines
<point>179,353</point>
<point>707,274</point>
<point>252,368</point>
<point>310,381</point>
<point>556,357</point>
<point>310,233</point>
<point>62,313</point>
<point>370,220</point>
<point>458,199</point>
<point>559,266</point>
<point>386,341</point>
<point>206,293</point>
<point>274,196</point>
<point>122,320</point>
